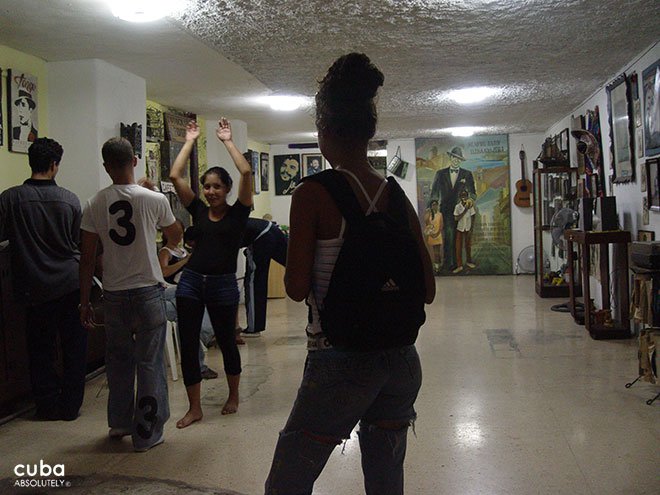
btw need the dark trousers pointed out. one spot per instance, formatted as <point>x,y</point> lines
<point>57,396</point>
<point>271,245</point>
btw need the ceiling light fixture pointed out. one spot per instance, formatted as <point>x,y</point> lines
<point>285,103</point>
<point>142,10</point>
<point>463,131</point>
<point>467,96</point>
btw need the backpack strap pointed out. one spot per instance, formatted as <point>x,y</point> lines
<point>341,192</point>
<point>370,202</point>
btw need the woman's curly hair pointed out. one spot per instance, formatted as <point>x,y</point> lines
<point>345,100</point>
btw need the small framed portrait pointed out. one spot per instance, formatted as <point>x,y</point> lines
<point>619,104</point>
<point>652,185</point>
<point>263,168</point>
<point>22,110</point>
<point>651,105</point>
<point>312,164</point>
<point>256,173</point>
<point>645,235</point>
<point>287,172</point>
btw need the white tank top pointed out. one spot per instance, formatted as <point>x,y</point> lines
<point>325,257</point>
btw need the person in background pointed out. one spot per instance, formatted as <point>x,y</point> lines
<point>263,241</point>
<point>125,217</point>
<point>341,387</point>
<point>209,279</point>
<point>42,223</point>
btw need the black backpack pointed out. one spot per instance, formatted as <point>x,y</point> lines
<point>375,299</point>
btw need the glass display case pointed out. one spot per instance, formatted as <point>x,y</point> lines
<point>555,210</point>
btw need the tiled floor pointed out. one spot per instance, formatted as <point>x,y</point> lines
<point>516,399</point>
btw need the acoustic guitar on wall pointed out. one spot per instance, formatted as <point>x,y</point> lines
<point>523,186</point>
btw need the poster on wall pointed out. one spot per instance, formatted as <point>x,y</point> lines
<point>263,168</point>
<point>619,106</point>
<point>22,110</point>
<point>155,124</point>
<point>463,201</point>
<point>287,173</point>
<point>175,126</point>
<point>651,94</point>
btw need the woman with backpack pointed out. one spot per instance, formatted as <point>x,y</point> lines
<point>365,309</point>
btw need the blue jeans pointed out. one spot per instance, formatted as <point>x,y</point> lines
<point>135,326</point>
<point>338,389</point>
<point>219,295</point>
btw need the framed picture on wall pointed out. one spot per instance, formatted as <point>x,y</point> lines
<point>287,171</point>
<point>652,184</point>
<point>645,235</point>
<point>651,104</point>
<point>312,164</point>
<point>263,168</point>
<point>256,173</point>
<point>22,110</point>
<point>2,120</point>
<point>619,105</point>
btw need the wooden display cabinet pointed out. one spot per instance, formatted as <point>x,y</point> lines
<point>554,188</point>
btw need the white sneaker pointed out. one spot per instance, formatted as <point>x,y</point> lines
<point>470,265</point>
<point>458,269</point>
<point>119,432</point>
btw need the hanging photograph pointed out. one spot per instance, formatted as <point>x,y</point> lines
<point>465,212</point>
<point>22,110</point>
<point>263,168</point>
<point>619,107</point>
<point>651,104</point>
<point>312,164</point>
<point>287,172</point>
<point>652,184</point>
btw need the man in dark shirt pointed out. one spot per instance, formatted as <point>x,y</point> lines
<point>263,241</point>
<point>42,223</point>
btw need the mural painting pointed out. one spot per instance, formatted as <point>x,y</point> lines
<point>463,196</point>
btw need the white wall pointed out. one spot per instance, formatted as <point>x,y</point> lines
<point>522,219</point>
<point>88,99</point>
<point>280,205</point>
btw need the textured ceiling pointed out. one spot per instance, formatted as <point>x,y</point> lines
<point>547,56</point>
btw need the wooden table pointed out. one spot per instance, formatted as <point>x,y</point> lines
<point>585,239</point>
<point>276,281</point>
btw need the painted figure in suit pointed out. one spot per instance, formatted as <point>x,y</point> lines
<point>25,105</point>
<point>447,184</point>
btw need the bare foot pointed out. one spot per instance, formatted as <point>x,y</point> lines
<point>239,340</point>
<point>189,418</point>
<point>231,406</point>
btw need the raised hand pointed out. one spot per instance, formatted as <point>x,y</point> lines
<point>192,131</point>
<point>224,130</point>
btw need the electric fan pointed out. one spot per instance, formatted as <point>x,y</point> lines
<point>562,220</point>
<point>525,261</point>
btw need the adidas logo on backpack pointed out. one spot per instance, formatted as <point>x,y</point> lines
<point>390,285</point>
<point>375,297</point>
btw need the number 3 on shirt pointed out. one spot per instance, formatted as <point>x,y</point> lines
<point>124,221</point>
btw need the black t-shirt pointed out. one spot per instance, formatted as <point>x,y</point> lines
<point>216,243</point>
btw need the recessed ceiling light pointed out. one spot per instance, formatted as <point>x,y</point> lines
<point>142,10</point>
<point>472,95</point>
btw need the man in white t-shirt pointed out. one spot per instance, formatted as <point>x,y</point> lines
<point>124,218</point>
<point>463,213</point>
